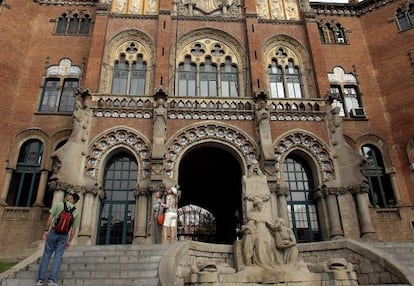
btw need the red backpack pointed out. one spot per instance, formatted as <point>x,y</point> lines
<point>65,220</point>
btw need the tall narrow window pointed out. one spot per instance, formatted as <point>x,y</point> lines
<point>120,76</point>
<point>73,25</point>
<point>229,79</point>
<point>303,214</point>
<point>25,179</point>
<point>61,24</point>
<point>85,24</point>
<point>138,76</point>
<point>187,78</point>
<point>208,79</point>
<point>381,194</point>
<point>60,87</point>
<point>293,81</point>
<point>117,212</point>
<point>276,80</point>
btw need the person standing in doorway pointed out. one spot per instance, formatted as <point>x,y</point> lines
<point>57,242</point>
<point>170,222</point>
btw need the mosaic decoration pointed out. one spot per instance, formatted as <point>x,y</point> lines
<point>120,137</point>
<point>209,131</point>
<point>312,146</point>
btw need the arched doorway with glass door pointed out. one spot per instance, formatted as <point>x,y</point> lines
<point>303,213</point>
<point>210,206</point>
<point>117,209</point>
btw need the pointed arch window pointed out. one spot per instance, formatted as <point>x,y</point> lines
<point>60,87</point>
<point>129,78</point>
<point>26,177</point>
<point>117,211</point>
<point>285,79</point>
<point>303,215</point>
<point>381,194</point>
<point>208,70</point>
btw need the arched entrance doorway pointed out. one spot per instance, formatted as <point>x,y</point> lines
<point>210,177</point>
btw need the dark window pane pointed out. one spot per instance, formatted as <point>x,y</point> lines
<point>85,25</point>
<point>50,97</point>
<point>73,25</point>
<point>67,101</point>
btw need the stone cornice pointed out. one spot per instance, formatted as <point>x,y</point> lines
<point>67,3</point>
<point>346,9</point>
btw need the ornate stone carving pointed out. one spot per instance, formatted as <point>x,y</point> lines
<point>312,145</point>
<point>119,137</point>
<point>213,8</point>
<point>208,131</point>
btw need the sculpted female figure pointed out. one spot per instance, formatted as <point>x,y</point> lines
<point>263,252</point>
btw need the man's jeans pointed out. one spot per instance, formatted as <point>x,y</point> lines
<point>56,243</point>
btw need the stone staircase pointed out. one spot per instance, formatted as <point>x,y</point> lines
<point>402,251</point>
<point>100,265</point>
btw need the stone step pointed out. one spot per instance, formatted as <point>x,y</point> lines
<point>100,265</point>
<point>87,282</point>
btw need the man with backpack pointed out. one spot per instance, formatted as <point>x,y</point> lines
<point>60,230</point>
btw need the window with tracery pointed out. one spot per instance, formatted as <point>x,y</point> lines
<point>405,17</point>
<point>381,194</point>
<point>60,86</point>
<point>284,76</point>
<point>129,73</point>
<point>208,70</point>
<point>26,177</point>
<point>73,23</point>
<point>344,87</point>
<point>331,33</point>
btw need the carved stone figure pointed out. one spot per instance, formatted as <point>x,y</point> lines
<point>285,242</point>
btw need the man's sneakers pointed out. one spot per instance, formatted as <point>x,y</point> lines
<point>41,283</point>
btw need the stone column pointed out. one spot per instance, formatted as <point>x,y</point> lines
<point>59,189</point>
<point>141,215</point>
<point>282,208</point>
<point>394,185</point>
<point>44,175</point>
<point>333,213</point>
<point>361,196</point>
<point>90,194</point>
<point>5,187</point>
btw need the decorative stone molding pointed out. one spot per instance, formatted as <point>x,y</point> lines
<point>326,191</point>
<point>67,2</point>
<point>119,137</point>
<point>208,131</point>
<point>56,185</point>
<point>312,145</point>
<point>141,191</point>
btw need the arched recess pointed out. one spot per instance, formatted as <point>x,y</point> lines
<point>231,46</point>
<point>317,151</point>
<point>296,51</point>
<point>227,151</point>
<point>118,137</point>
<point>210,131</point>
<point>145,46</point>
